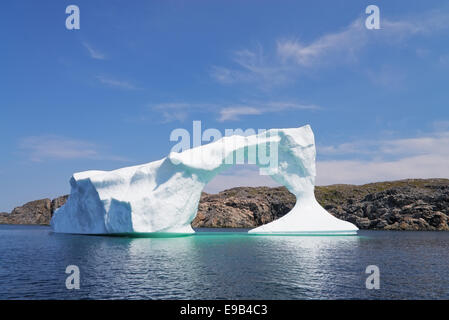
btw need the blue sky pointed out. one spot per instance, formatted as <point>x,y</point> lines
<point>108,95</point>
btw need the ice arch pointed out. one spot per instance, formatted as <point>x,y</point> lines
<point>163,196</point>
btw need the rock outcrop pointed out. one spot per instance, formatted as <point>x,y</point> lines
<point>418,204</point>
<point>399,205</point>
<point>35,212</point>
<point>412,204</point>
<point>243,207</point>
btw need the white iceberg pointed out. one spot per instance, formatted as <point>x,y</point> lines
<point>163,196</point>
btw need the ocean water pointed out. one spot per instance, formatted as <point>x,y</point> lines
<point>223,264</point>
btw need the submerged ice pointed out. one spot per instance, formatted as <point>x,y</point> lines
<point>163,196</point>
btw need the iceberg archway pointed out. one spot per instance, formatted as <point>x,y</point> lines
<point>163,196</point>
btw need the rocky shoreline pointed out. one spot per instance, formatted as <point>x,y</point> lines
<point>37,212</point>
<point>413,204</point>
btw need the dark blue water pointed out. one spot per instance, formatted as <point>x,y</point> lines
<point>223,265</point>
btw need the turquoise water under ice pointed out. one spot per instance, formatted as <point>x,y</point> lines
<point>223,264</point>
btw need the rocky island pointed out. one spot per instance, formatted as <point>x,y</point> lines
<point>413,204</point>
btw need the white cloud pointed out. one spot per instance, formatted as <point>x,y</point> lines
<point>420,157</point>
<point>359,172</point>
<point>349,40</point>
<point>235,112</point>
<point>172,111</point>
<point>437,142</point>
<point>179,111</point>
<point>293,57</point>
<point>344,148</point>
<point>94,54</point>
<point>356,36</point>
<point>53,147</point>
<point>252,68</point>
<point>112,82</point>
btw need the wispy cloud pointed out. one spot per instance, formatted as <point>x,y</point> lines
<point>437,142</point>
<point>349,40</point>
<point>53,147</point>
<point>94,54</point>
<point>225,112</point>
<point>179,111</point>
<point>338,46</point>
<point>112,82</point>
<point>235,112</point>
<point>292,57</point>
<point>359,172</point>
<point>252,67</point>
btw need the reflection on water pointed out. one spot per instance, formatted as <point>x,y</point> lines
<point>218,264</point>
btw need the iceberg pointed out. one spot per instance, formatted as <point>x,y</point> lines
<point>163,196</point>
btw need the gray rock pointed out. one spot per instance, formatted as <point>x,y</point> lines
<point>38,212</point>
